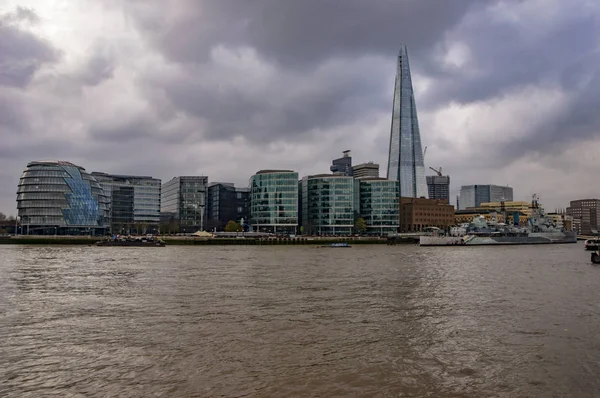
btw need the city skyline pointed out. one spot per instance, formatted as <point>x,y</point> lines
<point>145,89</point>
<point>405,159</point>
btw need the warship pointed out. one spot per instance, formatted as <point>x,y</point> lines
<point>539,229</point>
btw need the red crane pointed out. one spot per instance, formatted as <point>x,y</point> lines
<point>438,172</point>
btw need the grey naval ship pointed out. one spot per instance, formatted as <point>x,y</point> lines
<point>540,229</point>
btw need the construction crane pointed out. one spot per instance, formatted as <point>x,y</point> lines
<point>438,172</point>
<point>424,152</point>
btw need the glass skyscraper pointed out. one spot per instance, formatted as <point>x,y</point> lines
<point>405,162</point>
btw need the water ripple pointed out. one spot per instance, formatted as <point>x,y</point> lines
<point>399,321</point>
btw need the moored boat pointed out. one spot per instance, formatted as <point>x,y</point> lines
<point>341,244</point>
<point>140,241</point>
<point>592,244</point>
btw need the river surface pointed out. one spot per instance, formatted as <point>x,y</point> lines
<point>283,321</point>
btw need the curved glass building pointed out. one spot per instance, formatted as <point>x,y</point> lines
<point>274,201</point>
<point>329,204</point>
<point>380,205</point>
<point>56,197</point>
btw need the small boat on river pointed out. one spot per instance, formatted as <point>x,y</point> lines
<point>132,241</point>
<point>341,244</point>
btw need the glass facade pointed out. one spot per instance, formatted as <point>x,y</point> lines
<point>380,205</point>
<point>329,204</point>
<point>226,203</point>
<point>274,201</point>
<point>56,197</point>
<point>185,199</point>
<point>134,202</point>
<point>405,163</point>
<point>475,195</point>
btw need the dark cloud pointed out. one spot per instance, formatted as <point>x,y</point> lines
<point>21,52</point>
<point>275,104</point>
<point>100,66</point>
<point>298,33</point>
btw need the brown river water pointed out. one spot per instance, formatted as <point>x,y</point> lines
<point>290,321</point>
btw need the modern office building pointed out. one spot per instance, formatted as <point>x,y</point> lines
<point>274,201</point>
<point>329,204</point>
<point>405,163</point>
<point>416,214</point>
<point>368,169</point>
<point>475,195</point>
<point>224,203</point>
<point>133,202</point>
<point>60,198</point>
<point>438,187</point>
<point>379,205</point>
<point>342,165</point>
<point>185,199</point>
<point>586,215</point>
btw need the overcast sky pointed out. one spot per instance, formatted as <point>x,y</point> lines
<point>508,92</point>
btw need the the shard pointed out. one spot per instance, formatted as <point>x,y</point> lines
<point>405,162</point>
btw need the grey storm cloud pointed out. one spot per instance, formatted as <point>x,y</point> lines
<point>298,33</point>
<point>187,76</point>
<point>21,52</point>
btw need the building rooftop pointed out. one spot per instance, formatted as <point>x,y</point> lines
<point>123,176</point>
<point>369,178</point>
<point>53,163</point>
<point>274,171</point>
<point>329,176</point>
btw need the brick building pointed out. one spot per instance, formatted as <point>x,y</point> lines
<point>419,213</point>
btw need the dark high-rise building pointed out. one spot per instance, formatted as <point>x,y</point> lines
<point>405,163</point>
<point>184,200</point>
<point>439,187</point>
<point>60,198</point>
<point>475,195</point>
<point>586,213</point>
<point>226,203</point>
<point>342,165</point>
<point>134,202</point>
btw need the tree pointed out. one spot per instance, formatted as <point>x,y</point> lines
<point>233,226</point>
<point>361,225</point>
<point>302,230</point>
<point>2,217</point>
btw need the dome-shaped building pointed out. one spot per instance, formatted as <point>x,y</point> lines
<point>56,197</point>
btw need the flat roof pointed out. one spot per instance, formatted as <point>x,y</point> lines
<point>125,176</point>
<point>274,171</point>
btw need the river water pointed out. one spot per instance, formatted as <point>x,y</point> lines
<point>281,321</point>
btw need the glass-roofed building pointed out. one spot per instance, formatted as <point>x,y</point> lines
<point>60,198</point>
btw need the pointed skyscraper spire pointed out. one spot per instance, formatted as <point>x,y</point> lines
<point>405,162</point>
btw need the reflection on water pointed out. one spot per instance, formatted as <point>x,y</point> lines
<point>299,321</point>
